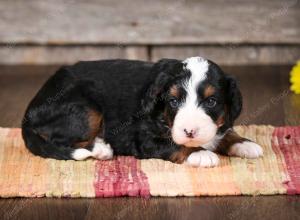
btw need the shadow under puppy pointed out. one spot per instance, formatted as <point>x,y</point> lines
<point>181,111</point>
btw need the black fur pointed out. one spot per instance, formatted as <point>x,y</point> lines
<point>132,97</point>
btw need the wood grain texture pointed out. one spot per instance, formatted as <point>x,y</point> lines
<point>266,101</point>
<point>232,54</point>
<point>49,55</point>
<point>266,207</point>
<point>226,54</point>
<point>149,22</point>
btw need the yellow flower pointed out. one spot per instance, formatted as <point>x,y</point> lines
<point>295,78</point>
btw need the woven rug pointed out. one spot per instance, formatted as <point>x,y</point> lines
<point>278,172</point>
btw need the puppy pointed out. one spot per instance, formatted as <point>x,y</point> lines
<point>181,111</point>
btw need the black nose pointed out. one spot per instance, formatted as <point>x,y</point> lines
<point>190,133</point>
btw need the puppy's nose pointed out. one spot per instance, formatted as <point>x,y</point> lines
<point>190,133</point>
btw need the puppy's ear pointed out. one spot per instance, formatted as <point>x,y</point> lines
<point>233,99</point>
<point>162,73</point>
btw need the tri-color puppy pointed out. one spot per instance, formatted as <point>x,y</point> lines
<point>181,111</point>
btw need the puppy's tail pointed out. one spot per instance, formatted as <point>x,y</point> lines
<point>41,147</point>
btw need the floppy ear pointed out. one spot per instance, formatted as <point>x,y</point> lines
<point>233,100</point>
<point>163,72</point>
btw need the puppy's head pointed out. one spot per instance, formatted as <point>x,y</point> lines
<point>195,98</point>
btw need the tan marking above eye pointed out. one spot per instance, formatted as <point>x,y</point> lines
<point>174,91</point>
<point>209,91</point>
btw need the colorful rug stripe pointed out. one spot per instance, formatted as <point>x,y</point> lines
<point>120,177</point>
<point>287,139</point>
<point>278,172</point>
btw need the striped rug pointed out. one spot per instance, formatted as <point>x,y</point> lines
<point>278,172</point>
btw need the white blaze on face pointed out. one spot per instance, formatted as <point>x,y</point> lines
<point>190,117</point>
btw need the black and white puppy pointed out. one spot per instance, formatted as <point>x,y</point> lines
<point>181,111</point>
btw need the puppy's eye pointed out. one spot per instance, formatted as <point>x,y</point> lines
<point>211,102</point>
<point>174,103</point>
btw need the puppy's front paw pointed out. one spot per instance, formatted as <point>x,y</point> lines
<point>203,158</point>
<point>246,149</point>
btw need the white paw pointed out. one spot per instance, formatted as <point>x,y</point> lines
<point>81,154</point>
<point>246,149</point>
<point>203,158</point>
<point>101,150</point>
